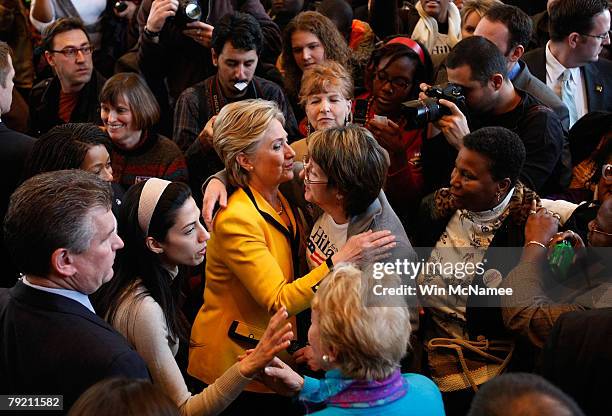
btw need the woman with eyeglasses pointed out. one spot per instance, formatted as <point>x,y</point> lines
<point>394,73</point>
<point>256,251</point>
<point>340,188</point>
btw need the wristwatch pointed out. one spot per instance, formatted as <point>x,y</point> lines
<point>150,34</point>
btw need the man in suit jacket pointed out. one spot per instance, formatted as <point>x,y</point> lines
<point>509,28</point>
<point>578,31</point>
<point>62,235</point>
<point>14,148</point>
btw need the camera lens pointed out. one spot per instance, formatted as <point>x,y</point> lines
<point>420,112</point>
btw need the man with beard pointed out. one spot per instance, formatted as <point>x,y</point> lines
<point>478,67</point>
<point>72,94</point>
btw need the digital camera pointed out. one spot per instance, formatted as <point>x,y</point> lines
<point>420,112</point>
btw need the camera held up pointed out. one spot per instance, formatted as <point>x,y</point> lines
<point>420,112</point>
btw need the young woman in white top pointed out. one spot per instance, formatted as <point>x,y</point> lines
<point>160,224</point>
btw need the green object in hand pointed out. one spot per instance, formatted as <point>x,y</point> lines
<point>561,258</point>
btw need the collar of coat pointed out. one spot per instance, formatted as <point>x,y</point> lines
<point>519,206</point>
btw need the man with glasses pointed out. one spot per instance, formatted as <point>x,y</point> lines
<point>72,94</point>
<point>569,64</point>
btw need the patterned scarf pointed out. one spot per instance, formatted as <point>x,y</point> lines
<point>339,391</point>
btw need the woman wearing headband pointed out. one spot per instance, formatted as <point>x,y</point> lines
<point>160,224</point>
<point>394,73</point>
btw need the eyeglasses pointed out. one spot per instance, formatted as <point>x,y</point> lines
<point>307,181</point>
<point>395,82</point>
<point>594,228</point>
<point>606,172</point>
<point>600,37</point>
<point>72,52</point>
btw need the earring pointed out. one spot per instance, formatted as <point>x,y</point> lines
<point>498,196</point>
<point>308,128</point>
<point>325,359</point>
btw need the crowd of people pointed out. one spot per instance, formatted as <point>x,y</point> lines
<point>286,207</point>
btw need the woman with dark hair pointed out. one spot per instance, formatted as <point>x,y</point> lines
<point>74,146</point>
<point>159,223</point>
<point>71,146</point>
<point>130,112</point>
<point>394,73</point>
<point>485,207</point>
<point>309,38</point>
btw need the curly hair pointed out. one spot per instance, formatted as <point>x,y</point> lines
<point>333,43</point>
<point>504,149</point>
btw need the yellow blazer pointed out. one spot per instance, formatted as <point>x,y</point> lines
<point>249,275</point>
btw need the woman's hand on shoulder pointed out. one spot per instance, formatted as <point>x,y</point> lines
<point>275,339</point>
<point>366,247</point>
<point>215,192</point>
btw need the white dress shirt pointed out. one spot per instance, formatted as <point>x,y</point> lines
<point>82,298</point>
<point>554,69</point>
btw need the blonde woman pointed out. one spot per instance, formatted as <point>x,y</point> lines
<point>254,252</point>
<point>360,346</point>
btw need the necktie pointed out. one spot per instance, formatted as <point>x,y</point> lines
<point>567,96</point>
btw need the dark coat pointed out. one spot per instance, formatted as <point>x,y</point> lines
<point>50,344</point>
<point>14,150</point>
<point>44,104</point>
<point>596,77</point>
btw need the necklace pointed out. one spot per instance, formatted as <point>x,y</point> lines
<point>280,212</point>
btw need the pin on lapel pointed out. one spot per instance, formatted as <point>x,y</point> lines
<point>599,88</point>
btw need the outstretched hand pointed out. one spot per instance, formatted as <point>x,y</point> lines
<point>275,339</point>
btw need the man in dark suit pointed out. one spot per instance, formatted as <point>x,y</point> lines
<point>509,28</point>
<point>62,235</point>
<point>14,148</point>
<point>569,64</point>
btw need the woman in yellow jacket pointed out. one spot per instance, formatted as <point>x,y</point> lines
<point>254,250</point>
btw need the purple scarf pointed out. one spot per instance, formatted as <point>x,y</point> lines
<point>342,392</point>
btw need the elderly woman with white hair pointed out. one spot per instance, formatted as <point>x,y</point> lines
<point>253,261</point>
<point>360,341</point>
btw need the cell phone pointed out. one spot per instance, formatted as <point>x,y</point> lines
<point>360,116</point>
<point>120,6</point>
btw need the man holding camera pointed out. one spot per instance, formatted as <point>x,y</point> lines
<point>477,66</point>
<point>174,46</point>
